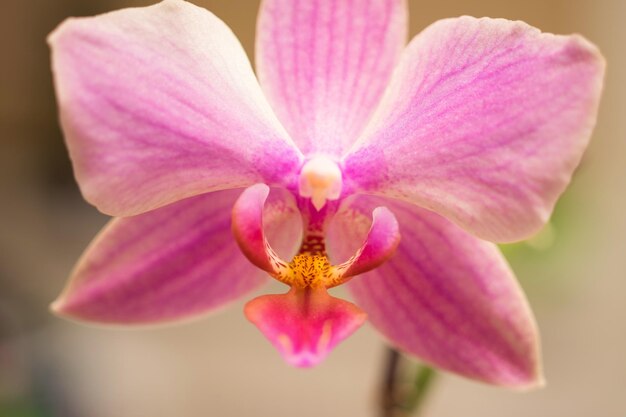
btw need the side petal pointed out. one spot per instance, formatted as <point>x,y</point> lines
<point>325,64</point>
<point>380,244</point>
<point>248,228</point>
<point>483,122</point>
<point>445,297</point>
<point>172,263</point>
<point>160,103</point>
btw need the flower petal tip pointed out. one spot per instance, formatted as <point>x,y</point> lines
<point>521,377</point>
<point>533,383</point>
<point>56,307</point>
<point>387,229</point>
<point>583,47</point>
<point>304,325</point>
<point>537,383</point>
<point>536,379</point>
<point>64,309</point>
<point>52,36</point>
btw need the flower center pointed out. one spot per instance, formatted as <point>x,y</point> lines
<point>320,179</point>
<point>310,269</point>
<point>306,323</point>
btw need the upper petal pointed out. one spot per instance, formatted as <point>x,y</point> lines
<point>446,297</point>
<point>172,263</point>
<point>160,103</point>
<point>484,122</point>
<point>324,64</point>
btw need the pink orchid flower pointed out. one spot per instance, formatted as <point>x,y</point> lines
<point>464,137</point>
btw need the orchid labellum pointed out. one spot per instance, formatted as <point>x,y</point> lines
<point>353,159</point>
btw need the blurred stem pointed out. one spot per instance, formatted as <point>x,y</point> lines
<point>423,380</point>
<point>403,397</point>
<point>390,382</point>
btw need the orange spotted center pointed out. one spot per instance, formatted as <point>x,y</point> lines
<point>310,268</point>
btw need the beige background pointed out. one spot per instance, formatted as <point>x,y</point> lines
<point>221,366</point>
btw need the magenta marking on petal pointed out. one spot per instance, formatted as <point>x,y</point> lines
<point>304,325</point>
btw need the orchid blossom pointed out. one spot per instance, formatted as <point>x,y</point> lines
<point>353,157</point>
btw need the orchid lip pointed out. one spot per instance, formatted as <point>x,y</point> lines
<point>304,325</point>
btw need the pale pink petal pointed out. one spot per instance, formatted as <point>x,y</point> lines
<point>304,324</point>
<point>483,122</point>
<point>324,64</point>
<point>445,297</point>
<point>172,263</point>
<point>160,103</point>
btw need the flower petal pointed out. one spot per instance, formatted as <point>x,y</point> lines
<point>380,244</point>
<point>324,65</point>
<point>446,297</point>
<point>171,263</point>
<point>247,227</point>
<point>160,103</point>
<point>483,122</point>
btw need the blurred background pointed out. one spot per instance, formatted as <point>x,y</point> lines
<point>574,272</point>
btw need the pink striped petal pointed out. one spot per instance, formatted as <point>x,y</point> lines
<point>446,297</point>
<point>484,122</point>
<point>324,64</point>
<point>172,263</point>
<point>160,103</point>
